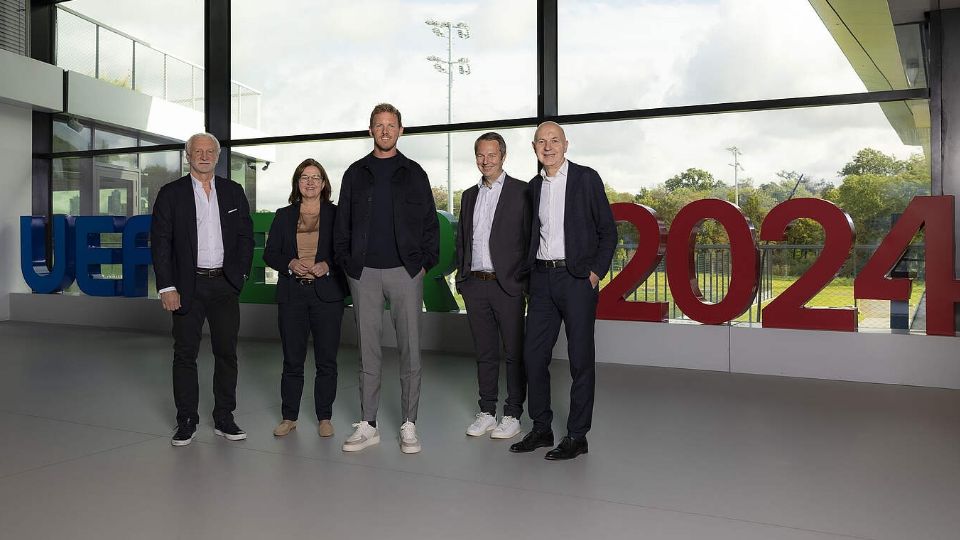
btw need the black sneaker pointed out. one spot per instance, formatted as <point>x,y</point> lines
<point>185,433</point>
<point>229,430</point>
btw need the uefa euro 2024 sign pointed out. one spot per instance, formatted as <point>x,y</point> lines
<point>78,255</point>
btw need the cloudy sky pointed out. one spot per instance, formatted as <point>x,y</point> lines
<point>322,65</point>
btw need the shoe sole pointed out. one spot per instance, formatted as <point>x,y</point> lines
<point>548,458</point>
<point>230,437</point>
<point>360,446</point>
<point>181,443</point>
<point>410,449</point>
<point>482,433</point>
<point>275,434</point>
<point>504,436</point>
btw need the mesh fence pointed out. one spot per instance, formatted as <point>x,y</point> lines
<point>150,71</point>
<point>85,47</point>
<point>115,58</point>
<point>76,44</point>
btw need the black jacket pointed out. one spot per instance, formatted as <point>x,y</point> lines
<point>589,230</point>
<point>173,236</point>
<point>281,248</point>
<point>414,217</point>
<point>509,235</point>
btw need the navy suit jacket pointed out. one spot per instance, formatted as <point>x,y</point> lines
<point>281,248</point>
<point>589,230</point>
<point>509,235</point>
<point>173,236</point>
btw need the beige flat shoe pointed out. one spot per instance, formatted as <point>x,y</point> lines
<point>284,428</point>
<point>325,429</point>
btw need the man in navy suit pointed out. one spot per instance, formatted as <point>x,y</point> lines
<point>201,240</point>
<point>572,240</point>
<point>492,238</point>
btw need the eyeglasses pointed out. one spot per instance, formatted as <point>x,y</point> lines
<point>316,179</point>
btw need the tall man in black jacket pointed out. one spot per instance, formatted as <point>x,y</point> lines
<point>202,245</point>
<point>571,245</point>
<point>492,239</point>
<point>386,237</point>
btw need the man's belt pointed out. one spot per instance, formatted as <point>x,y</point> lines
<point>303,280</point>
<point>555,263</point>
<point>484,276</point>
<point>210,272</point>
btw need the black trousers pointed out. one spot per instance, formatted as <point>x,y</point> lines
<point>555,297</point>
<point>217,302</point>
<point>301,315</point>
<point>496,317</point>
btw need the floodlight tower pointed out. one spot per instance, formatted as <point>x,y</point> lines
<point>446,29</point>
<point>736,168</point>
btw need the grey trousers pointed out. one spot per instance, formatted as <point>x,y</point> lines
<point>405,295</point>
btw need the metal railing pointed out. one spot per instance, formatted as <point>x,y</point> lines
<point>86,46</point>
<point>781,265</point>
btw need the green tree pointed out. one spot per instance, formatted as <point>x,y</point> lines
<point>692,178</point>
<point>871,161</point>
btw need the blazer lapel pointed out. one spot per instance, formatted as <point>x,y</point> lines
<point>291,226</point>
<point>224,205</point>
<point>496,211</point>
<point>190,210</point>
<point>469,207</point>
<point>569,200</point>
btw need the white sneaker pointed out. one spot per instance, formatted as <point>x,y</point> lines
<point>484,423</point>
<point>365,435</point>
<point>509,427</point>
<point>409,443</point>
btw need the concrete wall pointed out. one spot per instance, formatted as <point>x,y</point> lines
<point>16,126</point>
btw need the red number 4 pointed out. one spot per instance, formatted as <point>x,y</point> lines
<point>935,216</point>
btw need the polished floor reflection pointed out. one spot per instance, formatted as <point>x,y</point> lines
<point>674,454</point>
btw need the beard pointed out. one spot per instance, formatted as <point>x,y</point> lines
<point>380,145</point>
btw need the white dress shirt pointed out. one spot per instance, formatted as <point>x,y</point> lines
<point>483,212</point>
<point>552,200</point>
<point>209,236</point>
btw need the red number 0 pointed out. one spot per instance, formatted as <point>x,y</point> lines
<point>935,216</point>
<point>651,236</point>
<point>744,256</point>
<point>787,309</point>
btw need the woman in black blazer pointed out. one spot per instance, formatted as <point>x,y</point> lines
<point>310,293</point>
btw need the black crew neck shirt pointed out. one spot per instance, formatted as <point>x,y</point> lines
<point>382,251</point>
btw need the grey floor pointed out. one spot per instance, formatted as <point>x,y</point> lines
<point>86,417</point>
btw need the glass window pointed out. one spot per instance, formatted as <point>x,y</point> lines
<point>320,67</point>
<point>68,175</point>
<point>870,160</point>
<point>273,165</point>
<point>650,53</point>
<point>71,135</point>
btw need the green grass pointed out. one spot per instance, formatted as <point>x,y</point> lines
<point>838,294</point>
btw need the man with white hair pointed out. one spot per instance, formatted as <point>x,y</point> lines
<point>202,244</point>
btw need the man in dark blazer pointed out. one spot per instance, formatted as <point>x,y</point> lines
<point>493,234</point>
<point>572,240</point>
<point>201,240</point>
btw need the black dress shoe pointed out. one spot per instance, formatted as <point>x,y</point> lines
<point>568,448</point>
<point>532,441</point>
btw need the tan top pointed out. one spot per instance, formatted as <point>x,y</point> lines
<point>308,233</point>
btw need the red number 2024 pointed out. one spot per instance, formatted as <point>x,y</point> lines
<point>934,214</point>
